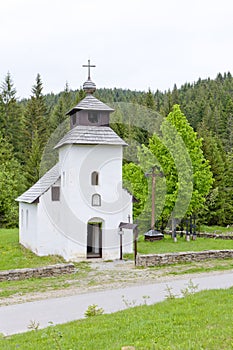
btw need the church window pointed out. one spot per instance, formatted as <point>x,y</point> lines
<point>63,178</point>
<point>96,200</point>
<point>27,214</point>
<point>74,119</point>
<point>93,117</point>
<point>22,217</point>
<point>95,178</point>
<point>55,193</point>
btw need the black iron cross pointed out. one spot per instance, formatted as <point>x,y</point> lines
<point>89,66</point>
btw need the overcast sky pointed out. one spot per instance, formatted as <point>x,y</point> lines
<point>134,44</point>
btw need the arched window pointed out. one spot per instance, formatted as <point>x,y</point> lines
<point>96,200</point>
<point>95,178</point>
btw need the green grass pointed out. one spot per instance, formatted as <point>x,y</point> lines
<point>197,322</point>
<point>14,256</point>
<point>167,245</point>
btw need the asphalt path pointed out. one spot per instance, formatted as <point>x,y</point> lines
<point>16,318</point>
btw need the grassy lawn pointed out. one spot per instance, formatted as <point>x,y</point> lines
<point>14,256</point>
<point>200,321</point>
<point>167,245</point>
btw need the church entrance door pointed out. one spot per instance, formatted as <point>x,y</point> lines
<point>94,240</point>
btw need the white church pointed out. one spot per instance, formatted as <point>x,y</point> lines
<point>79,209</point>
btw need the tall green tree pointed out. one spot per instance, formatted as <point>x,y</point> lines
<point>11,119</point>
<point>213,212</point>
<point>64,104</point>
<point>12,183</point>
<point>36,131</point>
<point>187,175</point>
<point>149,100</point>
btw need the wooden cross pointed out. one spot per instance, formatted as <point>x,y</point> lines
<point>89,66</point>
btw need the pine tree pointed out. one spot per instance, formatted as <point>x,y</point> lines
<point>64,104</point>
<point>80,95</point>
<point>67,98</point>
<point>35,115</point>
<point>213,212</point>
<point>149,100</point>
<point>11,119</point>
<point>229,189</point>
<point>36,131</point>
<point>32,168</point>
<point>175,96</point>
<point>12,183</point>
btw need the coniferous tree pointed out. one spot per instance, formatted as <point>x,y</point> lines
<point>32,168</point>
<point>213,212</point>
<point>64,104</point>
<point>11,119</point>
<point>149,100</point>
<point>36,131</point>
<point>12,183</point>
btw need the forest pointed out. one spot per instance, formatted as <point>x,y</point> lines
<point>201,113</point>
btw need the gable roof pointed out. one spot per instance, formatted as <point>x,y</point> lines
<point>91,135</point>
<point>41,186</point>
<point>90,103</point>
<point>128,225</point>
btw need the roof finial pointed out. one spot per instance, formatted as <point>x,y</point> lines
<point>89,87</point>
<point>89,70</point>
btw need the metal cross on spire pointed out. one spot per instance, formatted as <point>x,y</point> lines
<point>89,70</point>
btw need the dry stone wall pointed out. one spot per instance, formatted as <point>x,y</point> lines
<point>45,271</point>
<point>215,235</point>
<point>173,258</point>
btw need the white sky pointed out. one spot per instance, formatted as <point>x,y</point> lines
<point>135,44</point>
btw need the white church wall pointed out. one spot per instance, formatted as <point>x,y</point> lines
<point>56,234</point>
<point>77,165</point>
<point>28,225</point>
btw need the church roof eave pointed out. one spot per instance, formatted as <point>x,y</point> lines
<point>41,186</point>
<point>90,103</point>
<point>91,135</point>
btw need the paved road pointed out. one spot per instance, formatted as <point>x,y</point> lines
<point>16,318</point>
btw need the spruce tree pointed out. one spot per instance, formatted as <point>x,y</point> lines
<point>149,100</point>
<point>11,119</point>
<point>12,184</point>
<point>36,131</point>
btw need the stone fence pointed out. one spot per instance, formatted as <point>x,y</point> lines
<point>44,271</point>
<point>173,258</point>
<point>206,235</point>
<point>215,235</point>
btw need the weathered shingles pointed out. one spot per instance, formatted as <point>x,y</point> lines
<point>91,135</point>
<point>91,103</point>
<point>41,186</point>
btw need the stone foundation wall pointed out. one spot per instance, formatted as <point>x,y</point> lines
<point>45,271</point>
<point>173,258</point>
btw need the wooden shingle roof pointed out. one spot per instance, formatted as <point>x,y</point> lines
<point>91,135</point>
<point>41,186</point>
<point>90,103</point>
